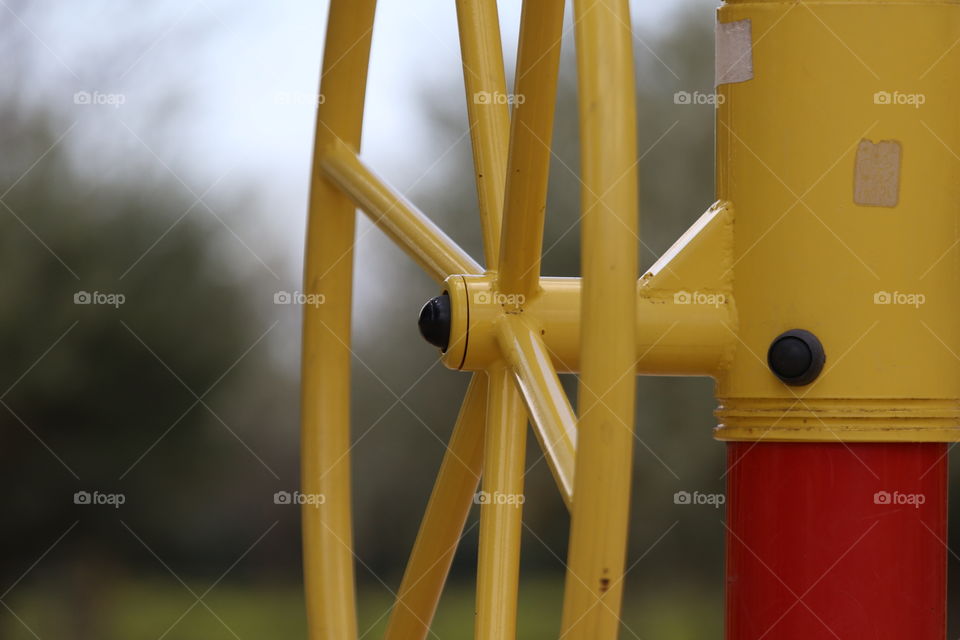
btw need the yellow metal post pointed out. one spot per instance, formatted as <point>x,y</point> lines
<point>837,142</point>
<point>846,223</point>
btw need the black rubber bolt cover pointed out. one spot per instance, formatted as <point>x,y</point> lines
<point>796,357</point>
<point>434,321</point>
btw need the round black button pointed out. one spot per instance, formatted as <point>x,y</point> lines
<point>435,320</point>
<point>796,357</point>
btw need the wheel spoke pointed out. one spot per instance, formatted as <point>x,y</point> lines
<point>531,132</point>
<point>498,570</point>
<point>406,225</point>
<point>607,394</point>
<point>325,409</point>
<point>442,524</point>
<point>489,117</point>
<point>547,404</point>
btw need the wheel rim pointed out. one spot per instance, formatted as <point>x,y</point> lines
<point>511,162</point>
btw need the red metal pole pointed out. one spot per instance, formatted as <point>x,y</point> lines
<point>843,541</point>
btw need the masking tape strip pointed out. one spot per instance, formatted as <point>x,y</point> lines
<point>876,175</point>
<point>734,52</point>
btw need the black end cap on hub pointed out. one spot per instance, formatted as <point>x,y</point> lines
<point>435,320</point>
<point>796,357</point>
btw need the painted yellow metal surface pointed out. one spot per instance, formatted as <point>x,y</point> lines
<point>442,524</point>
<point>406,225</point>
<point>854,211</point>
<point>488,114</point>
<point>531,133</point>
<point>606,397</point>
<point>553,419</point>
<point>455,488</point>
<point>325,378</point>
<point>876,281</point>
<point>686,320</point>
<point>501,510</point>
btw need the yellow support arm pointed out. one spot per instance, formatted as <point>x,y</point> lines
<point>554,422</point>
<point>406,225</point>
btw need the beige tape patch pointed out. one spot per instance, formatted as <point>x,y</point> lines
<point>876,174</point>
<point>734,52</point>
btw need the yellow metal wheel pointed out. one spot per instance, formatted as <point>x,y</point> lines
<point>515,368</point>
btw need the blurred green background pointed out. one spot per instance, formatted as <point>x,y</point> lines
<point>133,171</point>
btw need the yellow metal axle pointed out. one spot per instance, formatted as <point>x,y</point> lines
<point>685,316</point>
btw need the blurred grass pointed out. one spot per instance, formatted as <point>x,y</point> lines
<point>166,609</point>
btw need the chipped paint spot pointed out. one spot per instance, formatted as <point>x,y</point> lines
<point>734,52</point>
<point>876,177</point>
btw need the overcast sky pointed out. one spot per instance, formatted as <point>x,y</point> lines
<point>235,82</point>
